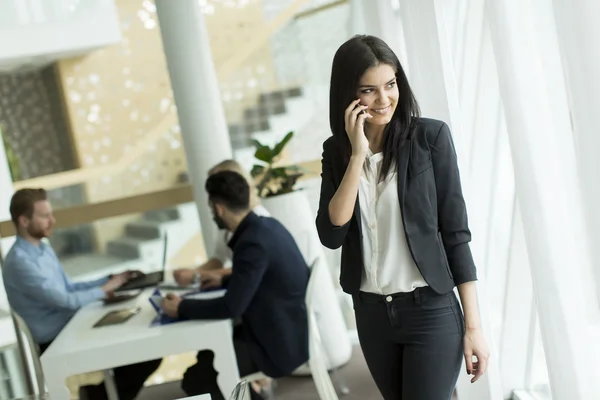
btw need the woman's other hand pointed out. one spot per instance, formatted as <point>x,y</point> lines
<point>475,345</point>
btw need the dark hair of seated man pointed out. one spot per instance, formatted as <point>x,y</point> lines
<point>229,189</point>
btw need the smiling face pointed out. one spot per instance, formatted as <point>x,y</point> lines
<point>377,89</point>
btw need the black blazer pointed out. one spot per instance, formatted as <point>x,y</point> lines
<point>267,289</point>
<point>432,205</point>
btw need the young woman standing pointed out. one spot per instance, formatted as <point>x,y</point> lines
<point>391,197</point>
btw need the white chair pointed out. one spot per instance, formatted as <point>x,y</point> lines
<point>30,355</point>
<point>257,376</point>
<point>34,374</point>
<point>241,391</point>
<point>317,362</point>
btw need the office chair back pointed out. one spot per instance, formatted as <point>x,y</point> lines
<point>241,391</point>
<point>317,361</point>
<point>30,355</point>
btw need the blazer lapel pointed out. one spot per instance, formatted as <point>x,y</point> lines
<point>357,215</point>
<point>402,171</point>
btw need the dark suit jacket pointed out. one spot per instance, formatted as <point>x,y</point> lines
<point>430,198</point>
<point>267,289</point>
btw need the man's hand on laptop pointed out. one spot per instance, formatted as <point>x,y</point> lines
<point>114,283</point>
<point>132,274</point>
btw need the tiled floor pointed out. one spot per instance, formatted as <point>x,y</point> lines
<point>355,374</point>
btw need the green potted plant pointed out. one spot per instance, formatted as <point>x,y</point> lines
<point>276,187</point>
<point>272,180</point>
<point>11,158</point>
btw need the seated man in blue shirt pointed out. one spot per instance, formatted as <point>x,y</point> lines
<point>266,289</point>
<point>41,293</point>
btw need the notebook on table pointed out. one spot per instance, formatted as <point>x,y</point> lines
<point>156,299</point>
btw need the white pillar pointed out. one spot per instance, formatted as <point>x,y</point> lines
<point>196,93</point>
<point>17,382</point>
<point>6,191</point>
<point>579,34</point>
<point>532,90</point>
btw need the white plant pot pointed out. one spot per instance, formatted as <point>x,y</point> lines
<point>294,212</point>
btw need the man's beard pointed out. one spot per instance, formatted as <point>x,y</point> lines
<point>220,223</point>
<point>218,220</point>
<point>37,233</point>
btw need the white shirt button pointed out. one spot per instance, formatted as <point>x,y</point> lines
<point>389,299</point>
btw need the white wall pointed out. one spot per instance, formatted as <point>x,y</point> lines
<point>38,32</point>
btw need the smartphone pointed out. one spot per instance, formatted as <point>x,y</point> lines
<point>362,111</point>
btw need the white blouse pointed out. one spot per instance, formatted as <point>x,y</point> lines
<point>222,252</point>
<point>389,266</point>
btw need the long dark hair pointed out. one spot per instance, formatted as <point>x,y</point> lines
<point>350,62</point>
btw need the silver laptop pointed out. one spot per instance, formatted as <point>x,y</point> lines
<point>151,279</point>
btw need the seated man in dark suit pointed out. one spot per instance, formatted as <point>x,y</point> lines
<point>266,288</point>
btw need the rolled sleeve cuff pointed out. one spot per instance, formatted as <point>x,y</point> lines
<point>332,236</point>
<point>185,309</point>
<point>98,293</point>
<point>462,264</point>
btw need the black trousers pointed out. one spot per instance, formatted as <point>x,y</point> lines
<point>412,342</point>
<point>129,379</point>
<point>201,377</point>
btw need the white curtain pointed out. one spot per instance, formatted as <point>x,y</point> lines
<point>542,148</point>
<point>579,34</point>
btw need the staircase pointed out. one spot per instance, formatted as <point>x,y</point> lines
<point>140,236</point>
<point>277,113</point>
<point>141,246</point>
<point>257,119</point>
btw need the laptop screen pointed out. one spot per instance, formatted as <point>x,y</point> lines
<point>165,246</point>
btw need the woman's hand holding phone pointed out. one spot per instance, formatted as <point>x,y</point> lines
<point>355,116</point>
<point>341,205</point>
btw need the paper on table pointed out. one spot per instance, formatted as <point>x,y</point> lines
<point>206,295</point>
<point>163,319</point>
<point>156,300</point>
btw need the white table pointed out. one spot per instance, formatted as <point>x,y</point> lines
<point>79,348</point>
